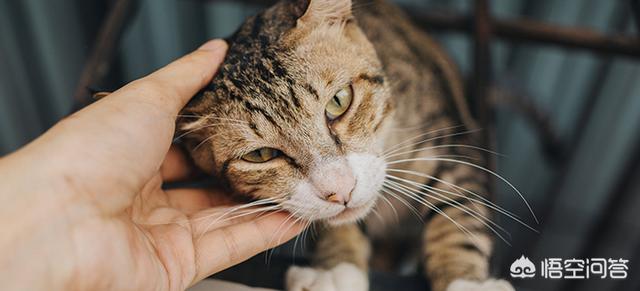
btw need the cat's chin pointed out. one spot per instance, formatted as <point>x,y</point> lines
<point>350,215</point>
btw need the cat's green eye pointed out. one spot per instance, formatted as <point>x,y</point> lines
<point>262,155</point>
<point>340,102</point>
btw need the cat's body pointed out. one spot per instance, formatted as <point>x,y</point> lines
<point>408,114</point>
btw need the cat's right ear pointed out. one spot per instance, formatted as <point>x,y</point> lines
<point>315,12</point>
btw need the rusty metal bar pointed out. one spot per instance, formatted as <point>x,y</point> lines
<point>635,10</point>
<point>481,80</point>
<point>523,30</point>
<point>526,30</point>
<point>481,59</point>
<point>97,65</point>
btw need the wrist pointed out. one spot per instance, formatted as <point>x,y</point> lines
<point>35,229</point>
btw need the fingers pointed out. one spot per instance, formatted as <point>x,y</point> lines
<point>216,218</point>
<point>121,140</point>
<point>228,246</point>
<point>172,86</point>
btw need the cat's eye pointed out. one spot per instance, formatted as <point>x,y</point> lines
<point>340,102</point>
<point>262,155</point>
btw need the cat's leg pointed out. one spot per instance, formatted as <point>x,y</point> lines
<point>339,263</point>
<point>456,255</point>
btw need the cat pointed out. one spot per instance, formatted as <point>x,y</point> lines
<point>314,111</point>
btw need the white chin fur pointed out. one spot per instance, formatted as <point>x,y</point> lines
<point>369,172</point>
<point>306,203</point>
<point>352,215</point>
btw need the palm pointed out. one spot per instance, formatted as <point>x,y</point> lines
<point>150,239</point>
<point>170,236</point>
<point>96,217</point>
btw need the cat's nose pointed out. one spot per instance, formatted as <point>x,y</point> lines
<point>343,188</point>
<point>335,182</point>
<point>338,198</point>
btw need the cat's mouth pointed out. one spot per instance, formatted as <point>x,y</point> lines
<point>351,214</point>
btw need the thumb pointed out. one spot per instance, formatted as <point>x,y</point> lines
<point>121,140</point>
<point>224,247</point>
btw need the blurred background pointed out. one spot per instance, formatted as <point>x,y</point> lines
<point>558,80</point>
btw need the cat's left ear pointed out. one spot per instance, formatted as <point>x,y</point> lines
<point>325,12</point>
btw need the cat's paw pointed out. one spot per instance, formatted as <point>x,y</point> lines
<point>343,277</point>
<point>488,285</point>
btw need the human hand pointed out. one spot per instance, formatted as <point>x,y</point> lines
<point>81,207</point>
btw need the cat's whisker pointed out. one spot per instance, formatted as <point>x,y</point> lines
<point>246,212</point>
<point>195,220</point>
<point>189,116</point>
<point>474,166</point>
<point>378,216</point>
<point>249,205</point>
<point>297,219</point>
<point>478,216</point>
<point>429,205</point>
<point>270,252</point>
<point>395,212</point>
<point>257,210</point>
<point>250,211</point>
<point>425,125</point>
<point>314,231</point>
<point>295,240</point>
<point>413,138</point>
<point>407,204</point>
<point>452,186</point>
<point>483,201</point>
<point>411,128</point>
<point>307,223</point>
<point>191,131</point>
<point>416,191</point>
<point>431,133</point>
<point>396,149</point>
<point>305,232</point>
<point>211,117</point>
<point>291,215</point>
<point>204,141</point>
<point>441,147</point>
<point>456,156</point>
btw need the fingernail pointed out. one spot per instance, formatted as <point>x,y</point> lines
<point>214,45</point>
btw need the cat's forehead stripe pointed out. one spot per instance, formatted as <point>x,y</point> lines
<point>312,90</point>
<point>258,110</point>
<point>377,79</point>
<point>254,127</point>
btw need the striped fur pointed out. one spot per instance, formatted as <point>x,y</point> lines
<point>282,66</point>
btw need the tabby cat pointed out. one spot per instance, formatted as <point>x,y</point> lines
<point>332,110</point>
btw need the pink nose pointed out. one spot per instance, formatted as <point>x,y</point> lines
<point>335,181</point>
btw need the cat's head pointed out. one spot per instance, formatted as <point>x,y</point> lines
<point>296,113</point>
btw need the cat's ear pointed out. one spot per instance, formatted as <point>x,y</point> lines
<point>325,11</point>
